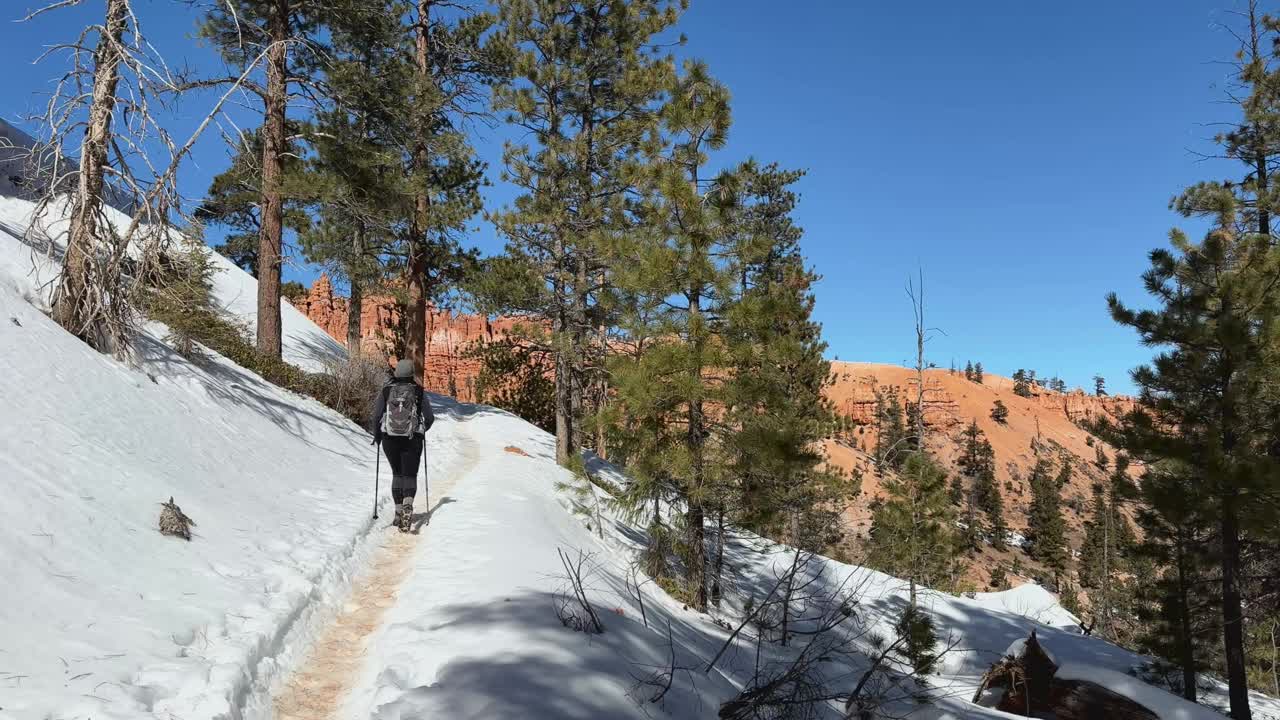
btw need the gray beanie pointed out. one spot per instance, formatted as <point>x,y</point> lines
<point>404,368</point>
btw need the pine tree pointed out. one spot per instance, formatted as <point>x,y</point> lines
<point>1094,568</point>
<point>977,373</point>
<point>916,628</point>
<point>891,431</point>
<point>1099,386</point>
<point>586,90</point>
<point>1069,599</point>
<point>968,370</point>
<point>1046,528</point>
<point>441,175</point>
<point>242,31</point>
<point>999,580</point>
<point>1100,458</point>
<point>1105,553</point>
<point>989,500</point>
<point>999,412</point>
<point>514,376</point>
<point>1176,535</point>
<point>1205,397</point>
<point>234,197</point>
<point>356,177</point>
<point>775,394</point>
<point>972,531</point>
<point>912,534</point>
<point>1022,383</point>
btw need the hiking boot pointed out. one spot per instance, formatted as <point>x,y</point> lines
<point>404,514</point>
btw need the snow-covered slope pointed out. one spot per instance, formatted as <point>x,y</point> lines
<point>102,617</point>
<point>304,343</point>
<point>475,634</point>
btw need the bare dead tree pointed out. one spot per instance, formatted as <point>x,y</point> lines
<point>923,336</point>
<point>102,110</point>
<point>634,588</point>
<point>652,688</point>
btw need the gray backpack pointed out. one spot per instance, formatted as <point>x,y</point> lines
<point>404,410</point>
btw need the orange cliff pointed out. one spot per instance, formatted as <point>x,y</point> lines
<point>449,335</point>
<point>951,403</point>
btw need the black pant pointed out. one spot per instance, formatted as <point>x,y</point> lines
<point>404,454</point>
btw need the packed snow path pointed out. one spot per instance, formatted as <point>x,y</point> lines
<point>318,688</point>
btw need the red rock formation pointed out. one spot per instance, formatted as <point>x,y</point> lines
<point>951,403</point>
<point>449,335</point>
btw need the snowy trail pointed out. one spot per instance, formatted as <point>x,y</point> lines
<point>319,687</point>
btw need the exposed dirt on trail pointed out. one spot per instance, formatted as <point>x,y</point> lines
<point>317,689</point>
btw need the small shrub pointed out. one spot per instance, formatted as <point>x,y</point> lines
<point>918,649</point>
<point>676,589</point>
<point>999,581</point>
<point>349,385</point>
<point>182,299</point>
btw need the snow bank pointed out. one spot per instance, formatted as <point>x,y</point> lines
<point>1164,704</point>
<point>100,615</point>
<point>1032,602</point>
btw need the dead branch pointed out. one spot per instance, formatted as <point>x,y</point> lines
<point>576,611</point>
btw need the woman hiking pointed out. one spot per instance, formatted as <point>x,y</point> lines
<point>401,418</point>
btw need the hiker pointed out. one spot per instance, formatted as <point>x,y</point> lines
<point>401,418</point>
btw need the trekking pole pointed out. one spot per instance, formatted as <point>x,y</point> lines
<point>377,468</point>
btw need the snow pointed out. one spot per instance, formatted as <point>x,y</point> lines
<point>101,617</point>
<point>1032,602</point>
<point>1164,704</point>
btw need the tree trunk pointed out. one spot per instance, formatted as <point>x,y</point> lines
<point>719,571</point>
<point>695,441</point>
<point>1107,507</point>
<point>416,309</point>
<point>271,236</point>
<point>564,393</point>
<point>1275,659</point>
<point>1260,154</point>
<point>355,310</point>
<point>1233,612</point>
<point>1186,649</point>
<point>578,381</point>
<point>920,367</point>
<point>416,322</point>
<point>69,306</point>
<point>602,386</point>
<point>695,539</point>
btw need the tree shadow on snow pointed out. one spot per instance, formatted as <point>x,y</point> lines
<point>230,384</point>
<point>550,671</point>
<point>321,350</point>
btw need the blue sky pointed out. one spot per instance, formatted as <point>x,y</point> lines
<point>1023,154</point>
